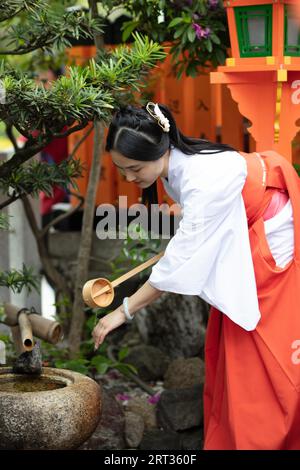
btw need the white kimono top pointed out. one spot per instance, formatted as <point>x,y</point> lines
<point>210,254</point>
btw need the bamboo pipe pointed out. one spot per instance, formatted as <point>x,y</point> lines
<point>99,292</point>
<point>16,336</point>
<point>26,331</point>
<point>42,328</point>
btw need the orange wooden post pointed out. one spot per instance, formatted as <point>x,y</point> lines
<point>82,154</point>
<point>205,115</point>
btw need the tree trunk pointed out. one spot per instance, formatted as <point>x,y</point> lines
<point>86,242</point>
<point>78,317</point>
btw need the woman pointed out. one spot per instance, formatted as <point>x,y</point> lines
<point>238,248</point>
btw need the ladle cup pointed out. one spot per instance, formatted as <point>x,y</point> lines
<point>99,292</point>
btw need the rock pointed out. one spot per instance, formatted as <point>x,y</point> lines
<point>175,324</point>
<point>180,409</point>
<point>145,409</point>
<point>134,429</point>
<point>131,337</point>
<point>192,439</point>
<point>29,362</point>
<point>150,362</point>
<point>158,439</point>
<point>184,373</point>
<point>109,434</point>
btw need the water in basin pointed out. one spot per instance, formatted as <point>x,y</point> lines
<point>21,384</point>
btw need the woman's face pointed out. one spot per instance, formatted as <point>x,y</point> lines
<point>142,173</point>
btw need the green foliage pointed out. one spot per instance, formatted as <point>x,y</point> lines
<point>88,93</point>
<point>9,347</point>
<point>4,222</point>
<point>88,362</point>
<point>196,28</point>
<point>43,24</point>
<point>10,8</point>
<point>63,307</point>
<point>78,365</point>
<point>136,251</point>
<point>99,364</point>
<point>40,176</point>
<point>17,279</point>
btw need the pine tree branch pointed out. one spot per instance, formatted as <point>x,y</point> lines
<point>83,138</point>
<point>11,8</point>
<point>61,217</point>
<point>21,156</point>
<point>39,44</point>
<point>45,29</point>
<point>28,152</point>
<point>10,135</point>
<point>9,201</point>
<point>78,127</point>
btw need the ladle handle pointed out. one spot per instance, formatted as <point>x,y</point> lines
<point>137,269</point>
<point>131,273</point>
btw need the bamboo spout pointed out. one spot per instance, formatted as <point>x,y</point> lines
<point>16,336</point>
<point>48,330</point>
<point>25,331</point>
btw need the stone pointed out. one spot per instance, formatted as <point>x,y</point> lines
<point>150,362</point>
<point>192,439</point>
<point>29,362</point>
<point>109,434</point>
<point>175,324</point>
<point>180,409</point>
<point>145,409</point>
<point>184,373</point>
<point>158,439</point>
<point>134,429</point>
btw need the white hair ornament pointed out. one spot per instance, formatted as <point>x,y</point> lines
<point>156,113</point>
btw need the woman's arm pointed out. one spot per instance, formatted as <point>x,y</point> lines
<point>144,296</point>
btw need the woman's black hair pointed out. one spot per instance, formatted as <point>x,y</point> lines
<point>135,134</point>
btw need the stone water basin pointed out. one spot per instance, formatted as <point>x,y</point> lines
<point>59,409</point>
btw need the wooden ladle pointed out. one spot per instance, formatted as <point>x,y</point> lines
<point>100,292</point>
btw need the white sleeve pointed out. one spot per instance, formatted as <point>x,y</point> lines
<point>210,253</point>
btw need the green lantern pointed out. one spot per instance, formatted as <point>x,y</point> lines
<point>254,30</point>
<point>291,34</point>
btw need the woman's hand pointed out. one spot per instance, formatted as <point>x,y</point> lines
<point>106,324</point>
<point>141,298</point>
